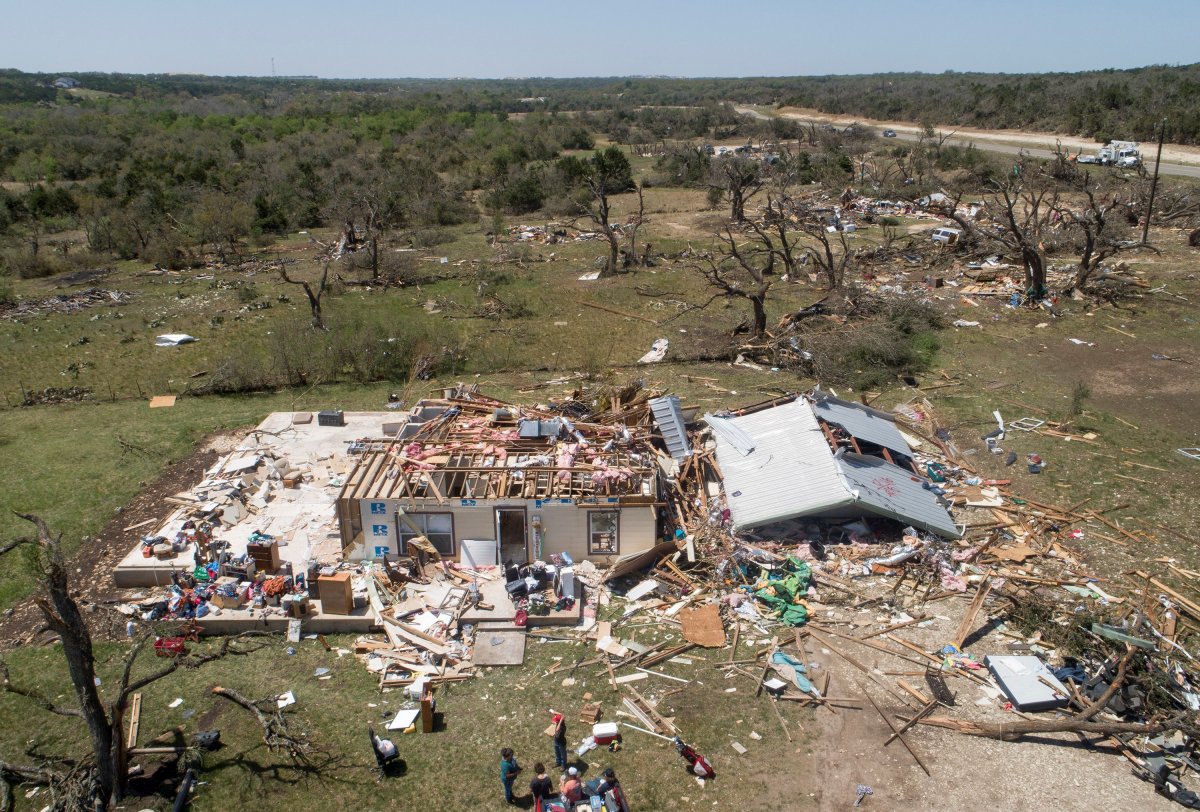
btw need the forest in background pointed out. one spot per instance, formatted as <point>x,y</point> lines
<point>1099,104</point>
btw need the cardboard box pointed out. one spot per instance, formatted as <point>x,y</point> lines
<point>225,602</point>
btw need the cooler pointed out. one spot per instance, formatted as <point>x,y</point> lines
<point>605,732</point>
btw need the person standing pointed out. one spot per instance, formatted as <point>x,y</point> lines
<point>560,741</point>
<point>508,773</point>
<point>540,787</point>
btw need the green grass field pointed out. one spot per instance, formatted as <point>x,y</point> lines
<point>67,463</point>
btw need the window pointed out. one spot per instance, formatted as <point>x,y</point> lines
<point>437,527</point>
<point>604,536</point>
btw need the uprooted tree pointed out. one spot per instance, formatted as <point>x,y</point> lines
<point>100,781</point>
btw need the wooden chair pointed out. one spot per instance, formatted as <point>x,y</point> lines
<point>381,760</point>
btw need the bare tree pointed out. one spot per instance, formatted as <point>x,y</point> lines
<point>778,235</point>
<point>103,781</point>
<point>737,178</point>
<point>1102,226</point>
<point>314,297</point>
<point>1023,206</point>
<point>742,272</point>
<point>830,257</point>
<point>632,257</point>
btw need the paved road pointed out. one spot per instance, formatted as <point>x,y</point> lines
<point>911,134</point>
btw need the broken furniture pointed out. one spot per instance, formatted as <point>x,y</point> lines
<point>383,754</point>
<point>1027,682</point>
<point>336,593</point>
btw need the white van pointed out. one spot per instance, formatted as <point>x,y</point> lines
<point>946,236</point>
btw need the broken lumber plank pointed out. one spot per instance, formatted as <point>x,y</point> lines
<point>775,707</point>
<point>893,627</point>
<point>616,312</point>
<point>968,621</point>
<point>663,656</point>
<point>921,714</point>
<point>829,644</point>
<point>894,730</point>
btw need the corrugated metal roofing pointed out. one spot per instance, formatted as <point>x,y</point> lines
<point>669,419</point>
<point>863,422</point>
<point>792,472</point>
<point>727,430</point>
<point>789,473</point>
<point>892,491</point>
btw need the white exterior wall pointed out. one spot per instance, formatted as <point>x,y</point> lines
<point>563,527</point>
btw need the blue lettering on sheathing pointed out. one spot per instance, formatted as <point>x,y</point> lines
<point>378,508</point>
<point>380,530</point>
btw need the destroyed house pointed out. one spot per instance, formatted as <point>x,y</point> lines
<point>820,457</point>
<point>487,483</point>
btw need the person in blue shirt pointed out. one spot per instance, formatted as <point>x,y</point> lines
<point>509,768</point>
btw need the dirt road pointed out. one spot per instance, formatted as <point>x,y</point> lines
<point>1177,159</point>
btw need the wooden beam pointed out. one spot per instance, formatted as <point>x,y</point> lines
<point>894,730</point>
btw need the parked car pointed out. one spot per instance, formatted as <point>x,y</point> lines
<point>889,133</point>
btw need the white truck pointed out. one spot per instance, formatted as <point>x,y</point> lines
<point>1120,153</point>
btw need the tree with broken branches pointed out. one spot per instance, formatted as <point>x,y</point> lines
<point>99,781</point>
<point>631,256</point>
<point>607,173</point>
<point>736,178</point>
<point>735,271</point>
<point>381,193</point>
<point>830,257</point>
<point>1101,224</point>
<point>314,296</point>
<point>1022,206</point>
<point>777,234</point>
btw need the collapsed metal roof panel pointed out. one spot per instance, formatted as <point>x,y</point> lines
<point>669,419</point>
<point>789,472</point>
<point>888,490</point>
<point>862,422</point>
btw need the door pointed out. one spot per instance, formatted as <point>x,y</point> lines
<point>511,530</point>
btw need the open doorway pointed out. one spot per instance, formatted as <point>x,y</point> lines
<point>511,530</point>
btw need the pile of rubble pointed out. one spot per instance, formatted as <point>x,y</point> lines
<point>63,303</point>
<point>1049,646</point>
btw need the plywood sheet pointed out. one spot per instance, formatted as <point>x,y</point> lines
<point>703,626</point>
<point>162,401</point>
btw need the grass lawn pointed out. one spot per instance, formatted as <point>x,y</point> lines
<point>456,767</point>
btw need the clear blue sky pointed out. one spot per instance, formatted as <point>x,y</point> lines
<point>482,38</point>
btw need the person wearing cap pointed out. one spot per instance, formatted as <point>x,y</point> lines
<point>560,741</point>
<point>569,786</point>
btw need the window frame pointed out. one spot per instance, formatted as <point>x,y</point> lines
<point>616,550</point>
<point>403,529</point>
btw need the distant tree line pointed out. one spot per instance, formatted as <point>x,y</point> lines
<point>169,169</point>
<point>1098,104</point>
